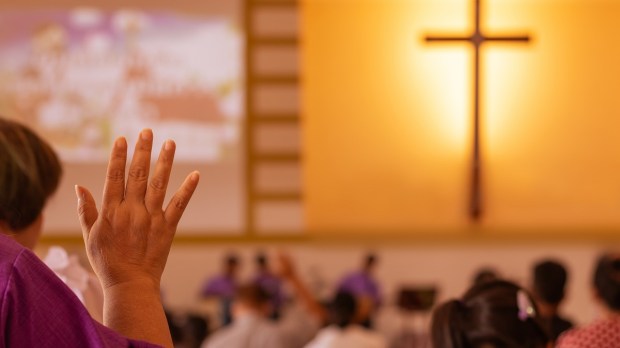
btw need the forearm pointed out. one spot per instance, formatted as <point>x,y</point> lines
<point>307,299</point>
<point>135,311</point>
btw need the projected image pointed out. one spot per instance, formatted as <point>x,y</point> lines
<point>83,77</point>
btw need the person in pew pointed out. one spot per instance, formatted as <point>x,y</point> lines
<point>127,243</point>
<point>271,283</point>
<point>548,288</point>
<point>251,326</point>
<point>223,287</point>
<point>363,285</point>
<point>494,314</point>
<point>344,330</point>
<point>605,331</point>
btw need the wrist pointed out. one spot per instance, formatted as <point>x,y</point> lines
<point>138,285</point>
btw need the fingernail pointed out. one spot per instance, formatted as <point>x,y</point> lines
<point>195,176</point>
<point>121,143</point>
<point>146,134</point>
<point>168,145</point>
<point>79,193</point>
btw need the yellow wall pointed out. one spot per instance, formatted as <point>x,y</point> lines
<point>387,116</point>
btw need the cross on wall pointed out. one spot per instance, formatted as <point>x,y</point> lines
<point>476,39</point>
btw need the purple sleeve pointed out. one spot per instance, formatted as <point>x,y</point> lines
<point>361,284</point>
<point>209,288</point>
<point>219,287</point>
<point>375,293</point>
<point>351,284</point>
<point>39,310</point>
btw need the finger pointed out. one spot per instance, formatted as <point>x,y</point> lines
<point>156,191</point>
<point>87,210</point>
<point>181,198</point>
<point>137,178</point>
<point>114,187</point>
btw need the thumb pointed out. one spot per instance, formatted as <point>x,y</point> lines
<point>87,209</point>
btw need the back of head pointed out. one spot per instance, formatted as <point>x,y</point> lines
<point>607,280</point>
<point>549,281</point>
<point>30,174</point>
<point>485,274</point>
<point>231,263</point>
<point>491,314</point>
<point>252,296</point>
<point>343,309</point>
<point>261,260</point>
<point>370,260</point>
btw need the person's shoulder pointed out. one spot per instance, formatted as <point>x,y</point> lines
<point>324,337</point>
<point>369,338</point>
<point>269,334</point>
<point>10,250</point>
<point>591,335</point>
<point>20,264</point>
<point>268,326</point>
<point>218,339</point>
<point>352,276</point>
<point>11,254</point>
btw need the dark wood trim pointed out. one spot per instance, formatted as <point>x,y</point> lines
<point>248,130</point>
<point>275,41</point>
<point>275,3</point>
<point>277,119</point>
<point>279,158</point>
<point>275,80</point>
<point>278,197</point>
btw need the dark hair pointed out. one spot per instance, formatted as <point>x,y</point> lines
<point>261,260</point>
<point>370,260</point>
<point>342,309</point>
<point>231,260</point>
<point>487,316</point>
<point>607,280</point>
<point>30,173</point>
<point>484,275</point>
<point>252,295</point>
<point>549,281</point>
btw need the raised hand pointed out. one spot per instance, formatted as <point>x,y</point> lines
<point>129,239</point>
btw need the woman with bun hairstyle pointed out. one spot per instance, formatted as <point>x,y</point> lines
<point>492,314</point>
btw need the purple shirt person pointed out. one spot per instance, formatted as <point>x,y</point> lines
<point>362,283</point>
<point>365,288</point>
<point>127,243</point>
<point>224,287</point>
<point>271,284</point>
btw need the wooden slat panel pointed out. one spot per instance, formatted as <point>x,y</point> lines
<point>278,178</point>
<point>280,217</point>
<point>279,158</point>
<point>278,139</point>
<point>276,21</point>
<point>276,60</point>
<point>276,100</point>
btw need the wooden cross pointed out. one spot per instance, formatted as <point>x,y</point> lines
<point>477,38</point>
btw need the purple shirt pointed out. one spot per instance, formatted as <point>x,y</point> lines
<point>361,284</point>
<point>222,286</point>
<point>38,310</point>
<point>273,286</point>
